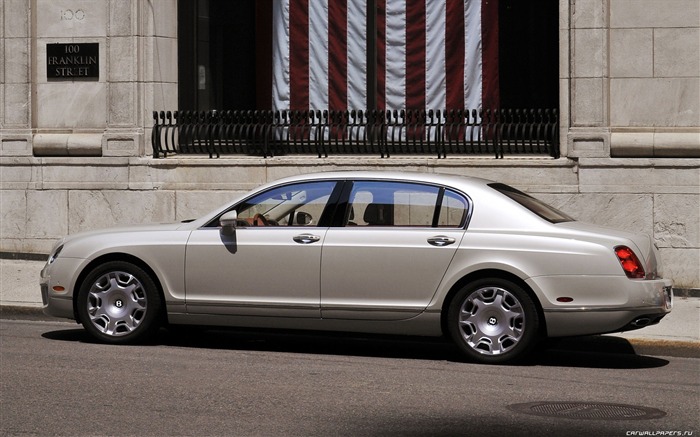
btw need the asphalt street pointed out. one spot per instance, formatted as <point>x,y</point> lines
<point>56,381</point>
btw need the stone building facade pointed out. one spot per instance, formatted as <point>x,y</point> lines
<point>76,154</point>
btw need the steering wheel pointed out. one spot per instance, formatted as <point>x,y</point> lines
<point>260,220</point>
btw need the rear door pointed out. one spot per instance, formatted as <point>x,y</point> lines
<point>387,259</point>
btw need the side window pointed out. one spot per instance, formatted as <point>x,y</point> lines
<point>290,205</point>
<point>452,210</point>
<point>378,203</point>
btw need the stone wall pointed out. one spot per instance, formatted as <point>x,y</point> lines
<point>75,155</point>
<point>106,116</point>
<point>634,72</point>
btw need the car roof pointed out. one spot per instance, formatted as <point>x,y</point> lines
<point>435,178</point>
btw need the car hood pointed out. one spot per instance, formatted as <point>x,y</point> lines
<point>122,229</point>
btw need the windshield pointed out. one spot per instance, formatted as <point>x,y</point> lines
<point>538,207</point>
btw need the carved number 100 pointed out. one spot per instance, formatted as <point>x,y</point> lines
<point>72,48</point>
<point>69,14</point>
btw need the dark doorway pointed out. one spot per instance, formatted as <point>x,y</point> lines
<point>529,53</point>
<point>221,45</point>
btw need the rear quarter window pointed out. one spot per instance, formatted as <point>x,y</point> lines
<point>537,206</point>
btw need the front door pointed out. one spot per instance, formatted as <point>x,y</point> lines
<point>270,265</point>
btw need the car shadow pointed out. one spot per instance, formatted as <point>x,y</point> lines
<point>602,352</point>
<point>595,352</point>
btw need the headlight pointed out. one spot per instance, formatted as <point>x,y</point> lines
<point>55,253</point>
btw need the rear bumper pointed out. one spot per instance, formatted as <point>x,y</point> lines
<point>600,320</point>
<point>635,304</point>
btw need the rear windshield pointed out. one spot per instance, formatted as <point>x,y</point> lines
<point>538,207</point>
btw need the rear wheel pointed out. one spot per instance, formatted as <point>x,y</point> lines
<point>493,321</point>
<point>119,303</point>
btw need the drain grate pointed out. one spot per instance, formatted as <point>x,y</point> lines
<point>588,410</point>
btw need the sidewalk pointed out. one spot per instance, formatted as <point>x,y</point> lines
<point>19,287</point>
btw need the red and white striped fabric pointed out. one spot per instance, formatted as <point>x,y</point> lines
<point>431,54</point>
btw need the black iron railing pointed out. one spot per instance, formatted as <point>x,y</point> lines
<point>383,133</point>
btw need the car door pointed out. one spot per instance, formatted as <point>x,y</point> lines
<point>388,258</point>
<point>270,264</point>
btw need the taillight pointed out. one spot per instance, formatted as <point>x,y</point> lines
<point>629,262</point>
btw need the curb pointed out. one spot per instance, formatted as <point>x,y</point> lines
<point>21,256</point>
<point>686,292</point>
<point>13,312</point>
<point>609,343</point>
<point>672,348</point>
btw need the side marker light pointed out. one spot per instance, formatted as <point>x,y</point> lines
<point>565,299</point>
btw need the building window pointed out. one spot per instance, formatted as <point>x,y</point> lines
<point>368,54</point>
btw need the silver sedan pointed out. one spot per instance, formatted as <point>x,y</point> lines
<point>494,269</point>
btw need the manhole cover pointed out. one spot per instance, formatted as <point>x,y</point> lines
<point>588,410</point>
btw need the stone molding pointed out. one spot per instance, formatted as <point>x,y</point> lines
<point>592,143</point>
<point>659,144</point>
<point>76,144</point>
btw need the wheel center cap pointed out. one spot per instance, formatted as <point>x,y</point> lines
<point>492,321</point>
<point>119,303</point>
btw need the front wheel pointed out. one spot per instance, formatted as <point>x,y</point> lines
<point>119,303</point>
<point>493,321</point>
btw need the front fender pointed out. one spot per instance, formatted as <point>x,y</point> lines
<point>163,252</point>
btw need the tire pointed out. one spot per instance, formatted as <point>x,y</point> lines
<point>118,303</point>
<point>493,321</point>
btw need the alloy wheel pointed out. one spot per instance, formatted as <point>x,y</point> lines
<point>116,303</point>
<point>491,321</point>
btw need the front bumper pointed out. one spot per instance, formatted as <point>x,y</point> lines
<point>57,284</point>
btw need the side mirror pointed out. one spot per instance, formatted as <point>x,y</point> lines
<point>303,218</point>
<point>229,220</point>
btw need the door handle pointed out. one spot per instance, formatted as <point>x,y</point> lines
<point>441,240</point>
<point>306,238</point>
